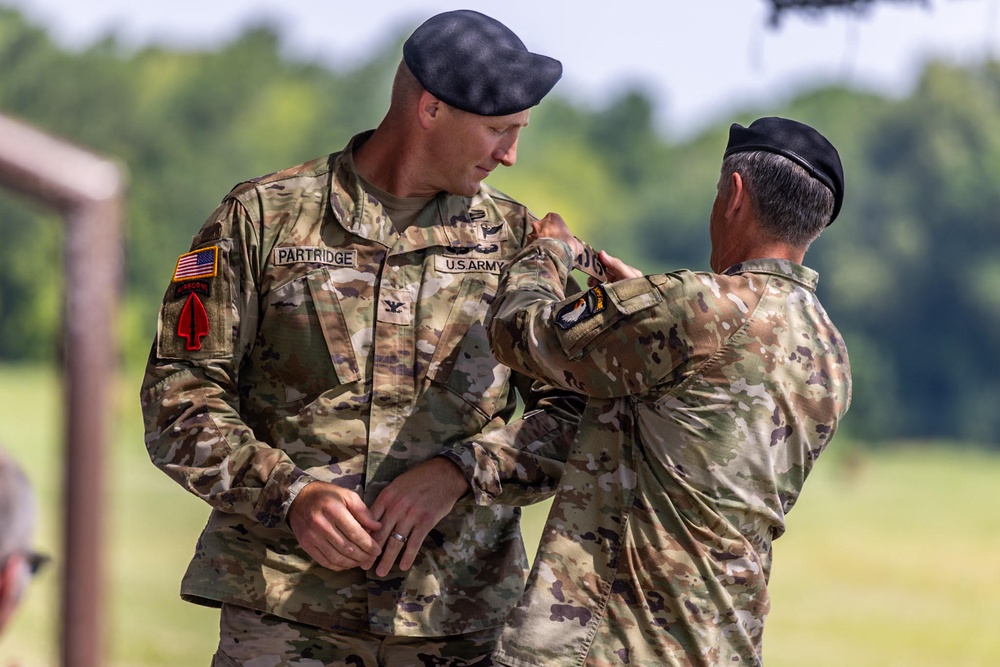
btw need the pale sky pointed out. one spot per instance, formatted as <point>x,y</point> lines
<point>698,59</point>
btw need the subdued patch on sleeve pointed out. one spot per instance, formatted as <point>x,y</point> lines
<point>598,311</point>
<point>583,319</point>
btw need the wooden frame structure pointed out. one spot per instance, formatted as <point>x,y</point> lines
<point>87,190</point>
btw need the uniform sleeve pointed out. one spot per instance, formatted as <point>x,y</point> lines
<point>520,463</point>
<point>614,340</point>
<point>190,397</point>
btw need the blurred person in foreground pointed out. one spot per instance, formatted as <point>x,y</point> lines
<point>321,376</point>
<point>18,516</point>
<point>710,397</point>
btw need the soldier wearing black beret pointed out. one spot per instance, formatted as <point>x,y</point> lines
<point>476,64</point>
<point>321,377</point>
<point>711,396</point>
<point>798,142</point>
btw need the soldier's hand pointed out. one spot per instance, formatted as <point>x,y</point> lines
<point>411,505</point>
<point>554,227</point>
<point>334,526</point>
<point>615,269</point>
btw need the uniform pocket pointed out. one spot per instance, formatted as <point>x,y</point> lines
<point>334,326</point>
<point>462,360</point>
<point>303,344</point>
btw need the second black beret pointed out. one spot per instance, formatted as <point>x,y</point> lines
<point>798,142</point>
<point>475,63</point>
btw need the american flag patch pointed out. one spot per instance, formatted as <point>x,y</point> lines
<point>197,264</point>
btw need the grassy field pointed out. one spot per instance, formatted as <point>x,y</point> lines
<point>891,559</point>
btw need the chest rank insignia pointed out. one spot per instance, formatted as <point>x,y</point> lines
<point>582,309</point>
<point>393,306</point>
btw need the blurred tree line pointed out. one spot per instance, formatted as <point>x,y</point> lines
<point>910,271</point>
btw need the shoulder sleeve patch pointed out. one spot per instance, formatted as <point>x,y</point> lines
<point>203,263</point>
<point>586,320</point>
<point>197,312</point>
<point>589,304</point>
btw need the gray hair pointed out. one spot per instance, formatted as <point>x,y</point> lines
<point>17,508</point>
<point>790,205</point>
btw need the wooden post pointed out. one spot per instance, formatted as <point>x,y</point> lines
<point>88,191</point>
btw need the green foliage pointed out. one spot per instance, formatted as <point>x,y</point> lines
<point>909,271</point>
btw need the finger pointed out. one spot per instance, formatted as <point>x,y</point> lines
<point>617,269</point>
<point>356,537</point>
<point>388,515</point>
<point>382,535</point>
<point>393,546</point>
<point>362,514</point>
<point>377,510</point>
<point>332,551</point>
<point>413,543</point>
<point>357,525</point>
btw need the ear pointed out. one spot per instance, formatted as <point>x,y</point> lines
<point>737,196</point>
<point>428,109</point>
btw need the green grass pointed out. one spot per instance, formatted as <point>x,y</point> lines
<point>151,531</point>
<point>891,558</point>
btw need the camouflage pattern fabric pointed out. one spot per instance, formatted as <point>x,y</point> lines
<point>711,396</point>
<point>253,639</point>
<point>307,340</point>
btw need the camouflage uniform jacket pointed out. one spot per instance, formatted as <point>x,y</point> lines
<point>320,344</point>
<point>710,398</point>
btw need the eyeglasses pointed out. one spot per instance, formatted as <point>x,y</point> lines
<point>36,562</point>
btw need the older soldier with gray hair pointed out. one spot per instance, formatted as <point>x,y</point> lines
<point>321,377</point>
<point>711,397</point>
<point>18,562</point>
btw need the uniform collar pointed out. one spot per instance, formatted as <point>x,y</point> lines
<point>778,267</point>
<point>445,221</point>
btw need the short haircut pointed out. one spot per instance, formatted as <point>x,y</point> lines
<point>404,85</point>
<point>790,205</point>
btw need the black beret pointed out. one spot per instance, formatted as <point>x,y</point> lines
<point>475,63</point>
<point>797,142</point>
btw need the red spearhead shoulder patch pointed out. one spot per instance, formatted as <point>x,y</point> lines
<point>193,323</point>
